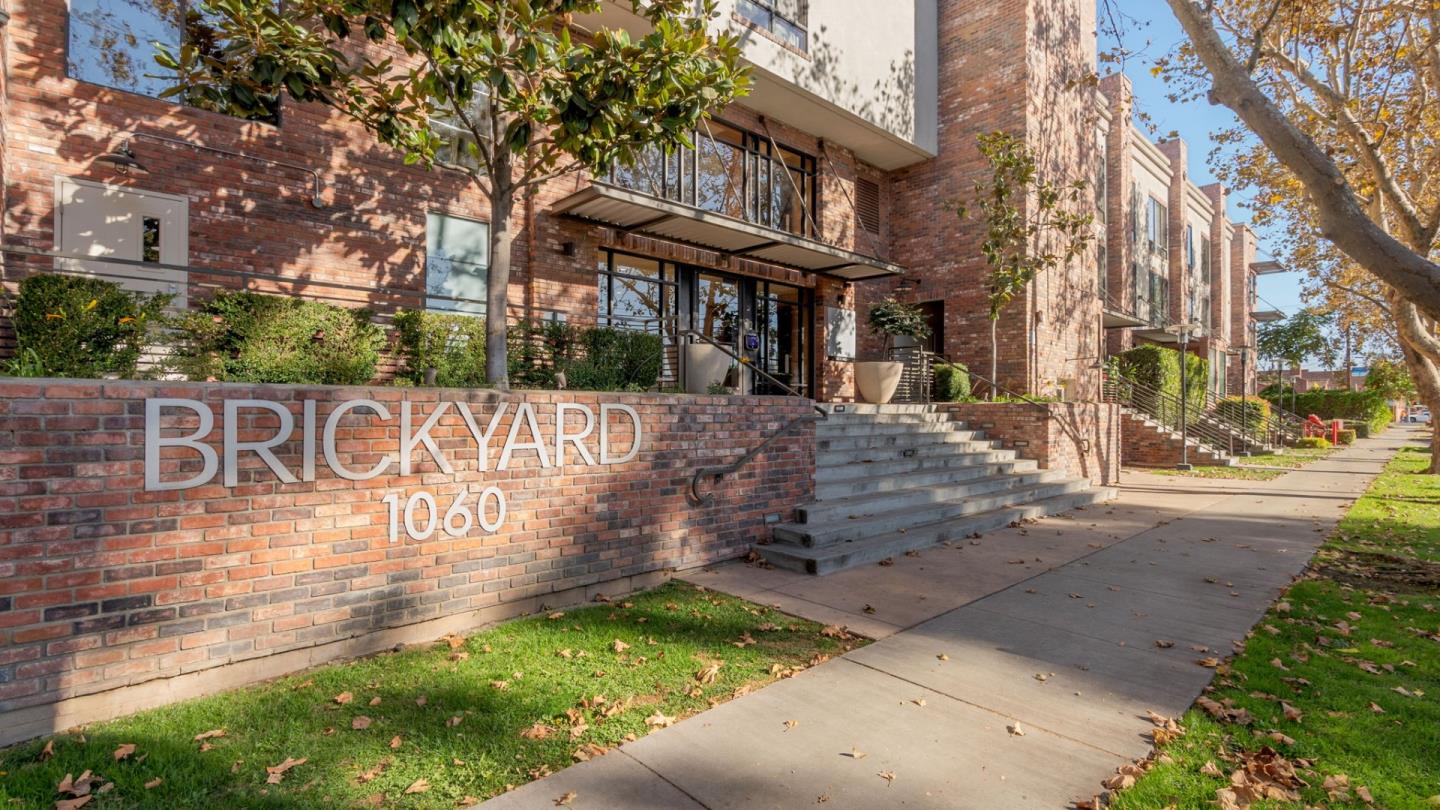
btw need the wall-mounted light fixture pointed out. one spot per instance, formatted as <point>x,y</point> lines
<point>122,159</point>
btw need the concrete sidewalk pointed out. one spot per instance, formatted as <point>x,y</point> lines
<point>1052,625</point>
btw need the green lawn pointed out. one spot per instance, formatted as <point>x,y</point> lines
<point>1354,650</point>
<point>454,722</point>
<point>1259,467</point>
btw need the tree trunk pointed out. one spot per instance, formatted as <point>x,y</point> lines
<point>1420,350</point>
<point>1339,213</point>
<point>497,286</point>
<point>994,359</point>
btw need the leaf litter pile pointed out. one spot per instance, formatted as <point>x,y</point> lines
<point>1333,700</point>
<point>437,725</point>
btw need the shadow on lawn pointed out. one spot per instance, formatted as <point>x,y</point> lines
<point>298,717</point>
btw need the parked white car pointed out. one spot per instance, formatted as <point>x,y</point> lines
<point>1421,415</point>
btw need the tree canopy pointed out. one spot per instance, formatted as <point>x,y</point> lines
<point>510,92</point>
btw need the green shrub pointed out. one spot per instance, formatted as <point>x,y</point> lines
<point>614,360</point>
<point>1252,411</point>
<point>453,344</point>
<point>537,349</point>
<point>79,326</point>
<point>952,382</point>
<point>250,337</point>
<point>1159,368</point>
<point>1357,406</point>
<point>1312,443</point>
<point>1347,436</point>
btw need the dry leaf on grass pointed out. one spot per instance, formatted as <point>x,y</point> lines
<point>375,701</point>
<point>124,751</point>
<point>709,673</point>
<point>48,751</point>
<point>154,783</point>
<point>343,698</point>
<point>418,786</point>
<point>538,731</point>
<point>619,646</point>
<point>360,722</point>
<point>208,735</point>
<point>659,720</point>
<point>72,804</point>
<point>589,751</point>
<point>277,772</point>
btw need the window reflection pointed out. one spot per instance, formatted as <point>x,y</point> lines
<point>114,43</point>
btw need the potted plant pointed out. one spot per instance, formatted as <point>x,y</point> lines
<point>898,323</point>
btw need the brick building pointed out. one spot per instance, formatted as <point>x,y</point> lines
<point>1173,258</point>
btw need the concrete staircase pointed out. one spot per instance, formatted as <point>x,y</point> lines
<point>892,478</point>
<point>1146,442</point>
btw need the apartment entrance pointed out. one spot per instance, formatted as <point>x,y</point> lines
<point>766,322</point>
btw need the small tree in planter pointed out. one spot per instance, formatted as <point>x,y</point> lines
<point>892,319</point>
<point>1032,224</point>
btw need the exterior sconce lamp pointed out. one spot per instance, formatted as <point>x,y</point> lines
<point>122,159</point>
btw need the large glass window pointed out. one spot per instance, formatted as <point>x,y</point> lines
<point>1157,220</point>
<point>635,293</point>
<point>732,172</point>
<point>783,18</point>
<point>113,43</point>
<point>457,261</point>
<point>782,317</point>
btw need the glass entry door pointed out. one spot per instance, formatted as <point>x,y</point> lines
<point>782,320</point>
<point>717,309</point>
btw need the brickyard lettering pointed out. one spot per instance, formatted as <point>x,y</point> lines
<point>573,431</point>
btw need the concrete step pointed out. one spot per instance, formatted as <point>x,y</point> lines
<point>868,407</point>
<point>865,427</point>
<point>828,559</point>
<point>827,459</point>
<point>899,465</point>
<point>901,520</point>
<point>861,507</point>
<point>898,439</point>
<point>890,418</point>
<point>907,474</point>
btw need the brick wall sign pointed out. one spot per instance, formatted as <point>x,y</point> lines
<point>161,540</point>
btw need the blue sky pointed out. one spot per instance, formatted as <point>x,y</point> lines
<point>1152,22</point>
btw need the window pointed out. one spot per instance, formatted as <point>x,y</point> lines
<point>1190,247</point>
<point>1137,216</point>
<point>867,204</point>
<point>113,43</point>
<point>457,260</point>
<point>1156,225</point>
<point>635,293</point>
<point>458,144</point>
<point>1102,184</point>
<point>782,18</point>
<point>733,172</point>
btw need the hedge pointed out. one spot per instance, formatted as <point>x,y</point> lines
<point>452,344</point>
<point>952,383</point>
<point>81,326</point>
<point>1358,406</point>
<point>1248,411</point>
<point>1159,368</point>
<point>256,338</point>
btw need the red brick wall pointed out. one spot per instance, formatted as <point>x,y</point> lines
<point>250,216</point>
<point>1053,433</point>
<point>104,584</point>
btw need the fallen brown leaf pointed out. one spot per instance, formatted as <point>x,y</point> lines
<point>418,786</point>
<point>154,783</point>
<point>566,799</point>
<point>360,722</point>
<point>343,698</point>
<point>277,772</point>
<point>124,751</point>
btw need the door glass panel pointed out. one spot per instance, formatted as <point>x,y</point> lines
<point>150,239</point>
<point>783,338</point>
<point>717,308</point>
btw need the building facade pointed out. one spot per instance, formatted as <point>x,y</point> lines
<point>1174,261</point>
<point>828,189</point>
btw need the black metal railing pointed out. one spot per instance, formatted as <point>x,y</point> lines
<point>717,473</point>
<point>1189,418</point>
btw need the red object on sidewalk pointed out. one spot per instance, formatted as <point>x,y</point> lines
<point>1335,431</point>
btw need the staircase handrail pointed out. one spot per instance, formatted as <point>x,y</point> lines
<point>716,473</point>
<point>1203,426</point>
<point>1081,441</point>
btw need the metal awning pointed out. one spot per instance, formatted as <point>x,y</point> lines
<point>1115,319</point>
<point>1266,315</point>
<point>636,212</point>
<point>1157,335</point>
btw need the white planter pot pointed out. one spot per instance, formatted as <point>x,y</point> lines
<point>705,365</point>
<point>877,379</point>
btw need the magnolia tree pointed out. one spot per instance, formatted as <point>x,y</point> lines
<point>1032,224</point>
<point>531,96</point>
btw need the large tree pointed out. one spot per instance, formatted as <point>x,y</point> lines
<point>531,95</point>
<point>1345,98</point>
<point>1277,63</point>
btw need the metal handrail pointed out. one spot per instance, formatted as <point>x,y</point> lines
<point>719,472</point>
<point>1155,403</point>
